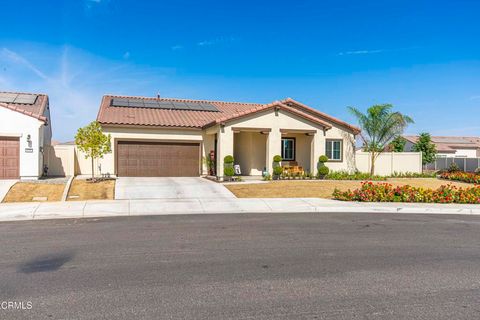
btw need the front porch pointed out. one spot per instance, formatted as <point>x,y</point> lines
<point>254,148</point>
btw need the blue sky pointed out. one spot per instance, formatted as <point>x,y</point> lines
<point>421,56</point>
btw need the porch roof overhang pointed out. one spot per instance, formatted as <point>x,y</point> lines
<point>272,106</point>
<point>305,131</point>
<point>247,129</point>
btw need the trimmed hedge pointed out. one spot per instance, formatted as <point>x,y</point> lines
<point>228,159</point>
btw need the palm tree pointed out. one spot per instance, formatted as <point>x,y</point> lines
<point>380,125</point>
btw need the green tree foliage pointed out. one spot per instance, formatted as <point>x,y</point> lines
<point>398,144</point>
<point>426,147</point>
<point>93,142</point>
<point>379,127</point>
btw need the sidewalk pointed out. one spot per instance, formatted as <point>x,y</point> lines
<point>114,208</point>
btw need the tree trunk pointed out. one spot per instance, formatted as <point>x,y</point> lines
<point>93,174</point>
<point>372,165</point>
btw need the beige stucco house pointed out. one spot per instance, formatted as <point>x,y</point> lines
<point>173,137</point>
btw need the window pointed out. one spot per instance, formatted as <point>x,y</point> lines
<point>333,150</point>
<point>288,149</point>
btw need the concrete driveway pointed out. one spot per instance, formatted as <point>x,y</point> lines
<point>5,185</point>
<point>169,188</point>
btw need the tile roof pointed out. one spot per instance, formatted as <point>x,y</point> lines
<point>35,110</point>
<point>450,143</point>
<point>228,111</point>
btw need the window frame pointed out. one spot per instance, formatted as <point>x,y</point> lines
<point>282,153</point>
<point>341,149</point>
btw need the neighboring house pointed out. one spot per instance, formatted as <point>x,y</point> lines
<point>465,147</point>
<point>25,129</point>
<point>171,137</point>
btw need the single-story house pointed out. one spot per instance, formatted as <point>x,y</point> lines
<point>25,130</point>
<point>173,137</point>
<point>462,147</point>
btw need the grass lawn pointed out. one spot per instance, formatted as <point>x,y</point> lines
<point>83,190</point>
<point>26,191</point>
<point>322,188</point>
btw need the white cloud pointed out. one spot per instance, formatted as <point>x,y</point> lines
<point>474,98</point>
<point>126,55</point>
<point>177,47</point>
<point>360,52</point>
<point>75,81</point>
<point>215,41</point>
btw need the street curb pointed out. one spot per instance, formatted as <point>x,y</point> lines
<point>127,208</point>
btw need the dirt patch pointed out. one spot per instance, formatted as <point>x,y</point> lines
<point>322,188</point>
<point>83,190</point>
<point>27,191</point>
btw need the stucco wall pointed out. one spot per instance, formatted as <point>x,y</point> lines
<point>389,162</point>
<point>19,125</point>
<point>250,152</point>
<point>83,166</point>
<point>60,160</point>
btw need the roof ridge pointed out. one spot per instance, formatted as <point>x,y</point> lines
<point>182,100</point>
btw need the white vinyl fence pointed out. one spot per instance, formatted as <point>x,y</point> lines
<point>388,163</point>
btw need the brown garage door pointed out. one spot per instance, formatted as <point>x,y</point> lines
<point>9,158</point>
<point>157,159</point>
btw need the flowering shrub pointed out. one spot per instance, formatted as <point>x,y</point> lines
<point>385,192</point>
<point>461,176</point>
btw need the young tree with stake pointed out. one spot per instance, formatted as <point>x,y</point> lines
<point>93,142</point>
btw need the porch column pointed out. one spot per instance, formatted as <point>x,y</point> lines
<point>224,147</point>
<point>318,149</point>
<point>274,147</point>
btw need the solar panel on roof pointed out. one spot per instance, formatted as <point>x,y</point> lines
<point>136,103</point>
<point>180,106</point>
<point>25,99</point>
<point>162,104</point>
<point>20,98</point>
<point>120,102</point>
<point>8,97</point>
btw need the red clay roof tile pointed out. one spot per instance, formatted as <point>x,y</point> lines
<point>227,111</point>
<point>35,110</point>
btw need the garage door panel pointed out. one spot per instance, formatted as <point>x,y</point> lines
<point>9,158</point>
<point>157,159</point>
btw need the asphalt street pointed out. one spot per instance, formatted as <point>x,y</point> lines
<point>243,266</point>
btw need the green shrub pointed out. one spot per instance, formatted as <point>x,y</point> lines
<point>267,177</point>
<point>229,171</point>
<point>322,159</point>
<point>345,175</point>
<point>453,167</point>
<point>323,171</point>
<point>277,170</point>
<point>277,158</point>
<point>414,175</point>
<point>228,159</point>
